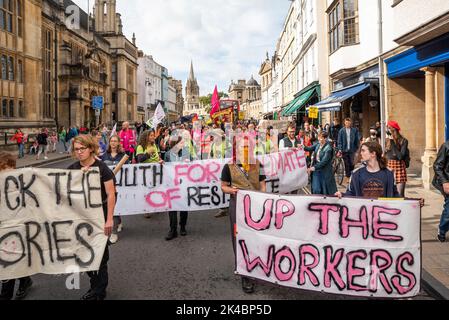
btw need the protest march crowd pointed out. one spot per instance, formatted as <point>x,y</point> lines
<point>370,171</point>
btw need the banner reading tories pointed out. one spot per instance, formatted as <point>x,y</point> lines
<point>51,221</point>
<point>196,186</point>
<point>349,246</point>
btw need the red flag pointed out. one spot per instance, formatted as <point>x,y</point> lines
<point>215,102</point>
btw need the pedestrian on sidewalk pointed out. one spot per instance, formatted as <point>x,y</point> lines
<point>323,178</point>
<point>8,162</point>
<point>441,183</point>
<point>19,137</point>
<point>348,144</point>
<point>62,137</point>
<point>52,142</point>
<point>244,172</point>
<point>114,154</point>
<point>42,139</point>
<point>85,150</point>
<point>148,152</point>
<point>398,155</point>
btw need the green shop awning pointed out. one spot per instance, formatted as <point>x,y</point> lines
<point>299,102</point>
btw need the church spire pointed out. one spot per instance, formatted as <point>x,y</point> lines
<point>192,74</point>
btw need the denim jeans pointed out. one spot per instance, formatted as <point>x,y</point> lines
<point>444,223</point>
<point>21,150</point>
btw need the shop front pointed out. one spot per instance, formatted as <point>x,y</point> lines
<point>355,96</point>
<point>297,109</point>
<point>417,94</point>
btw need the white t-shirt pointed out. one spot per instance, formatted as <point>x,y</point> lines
<point>348,134</point>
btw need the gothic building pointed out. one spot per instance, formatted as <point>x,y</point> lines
<point>192,100</point>
<point>54,58</point>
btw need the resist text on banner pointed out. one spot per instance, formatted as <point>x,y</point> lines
<point>354,247</point>
<point>196,186</point>
<point>51,222</point>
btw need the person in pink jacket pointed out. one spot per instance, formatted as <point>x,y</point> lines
<point>128,138</point>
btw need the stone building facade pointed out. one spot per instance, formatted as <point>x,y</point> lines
<point>54,58</point>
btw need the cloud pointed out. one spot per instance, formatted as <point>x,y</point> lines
<point>227,40</point>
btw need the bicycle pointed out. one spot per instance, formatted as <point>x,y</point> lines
<point>338,166</point>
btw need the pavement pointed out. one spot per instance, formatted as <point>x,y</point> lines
<point>435,255</point>
<point>30,160</point>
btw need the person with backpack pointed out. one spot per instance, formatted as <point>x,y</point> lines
<point>398,155</point>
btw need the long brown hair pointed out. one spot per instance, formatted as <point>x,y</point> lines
<point>119,147</point>
<point>377,148</point>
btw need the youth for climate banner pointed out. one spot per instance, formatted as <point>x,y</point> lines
<point>354,247</point>
<point>51,222</point>
<point>196,186</point>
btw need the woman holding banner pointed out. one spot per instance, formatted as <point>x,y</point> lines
<point>175,154</point>
<point>148,152</point>
<point>243,173</point>
<point>85,150</point>
<point>373,180</point>
<point>323,179</point>
<point>114,154</point>
<point>8,162</point>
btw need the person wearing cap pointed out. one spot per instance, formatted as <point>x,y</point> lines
<point>398,156</point>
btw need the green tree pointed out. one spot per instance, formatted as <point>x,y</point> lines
<point>206,100</point>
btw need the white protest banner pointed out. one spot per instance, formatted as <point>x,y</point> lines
<point>159,115</point>
<point>174,186</point>
<point>286,171</point>
<point>51,222</point>
<point>354,247</point>
<point>196,186</point>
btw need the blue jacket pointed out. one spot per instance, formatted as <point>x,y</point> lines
<point>323,179</point>
<point>343,140</point>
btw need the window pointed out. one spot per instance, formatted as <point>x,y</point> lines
<point>4,108</point>
<point>21,110</point>
<point>20,71</point>
<point>343,24</point>
<point>11,109</point>
<point>11,68</point>
<point>6,15</point>
<point>114,72</point>
<point>19,18</point>
<point>47,73</point>
<point>4,68</point>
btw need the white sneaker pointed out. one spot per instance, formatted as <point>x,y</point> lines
<point>113,238</point>
<point>120,228</point>
<point>45,158</point>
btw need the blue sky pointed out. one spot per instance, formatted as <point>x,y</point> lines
<point>227,40</point>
